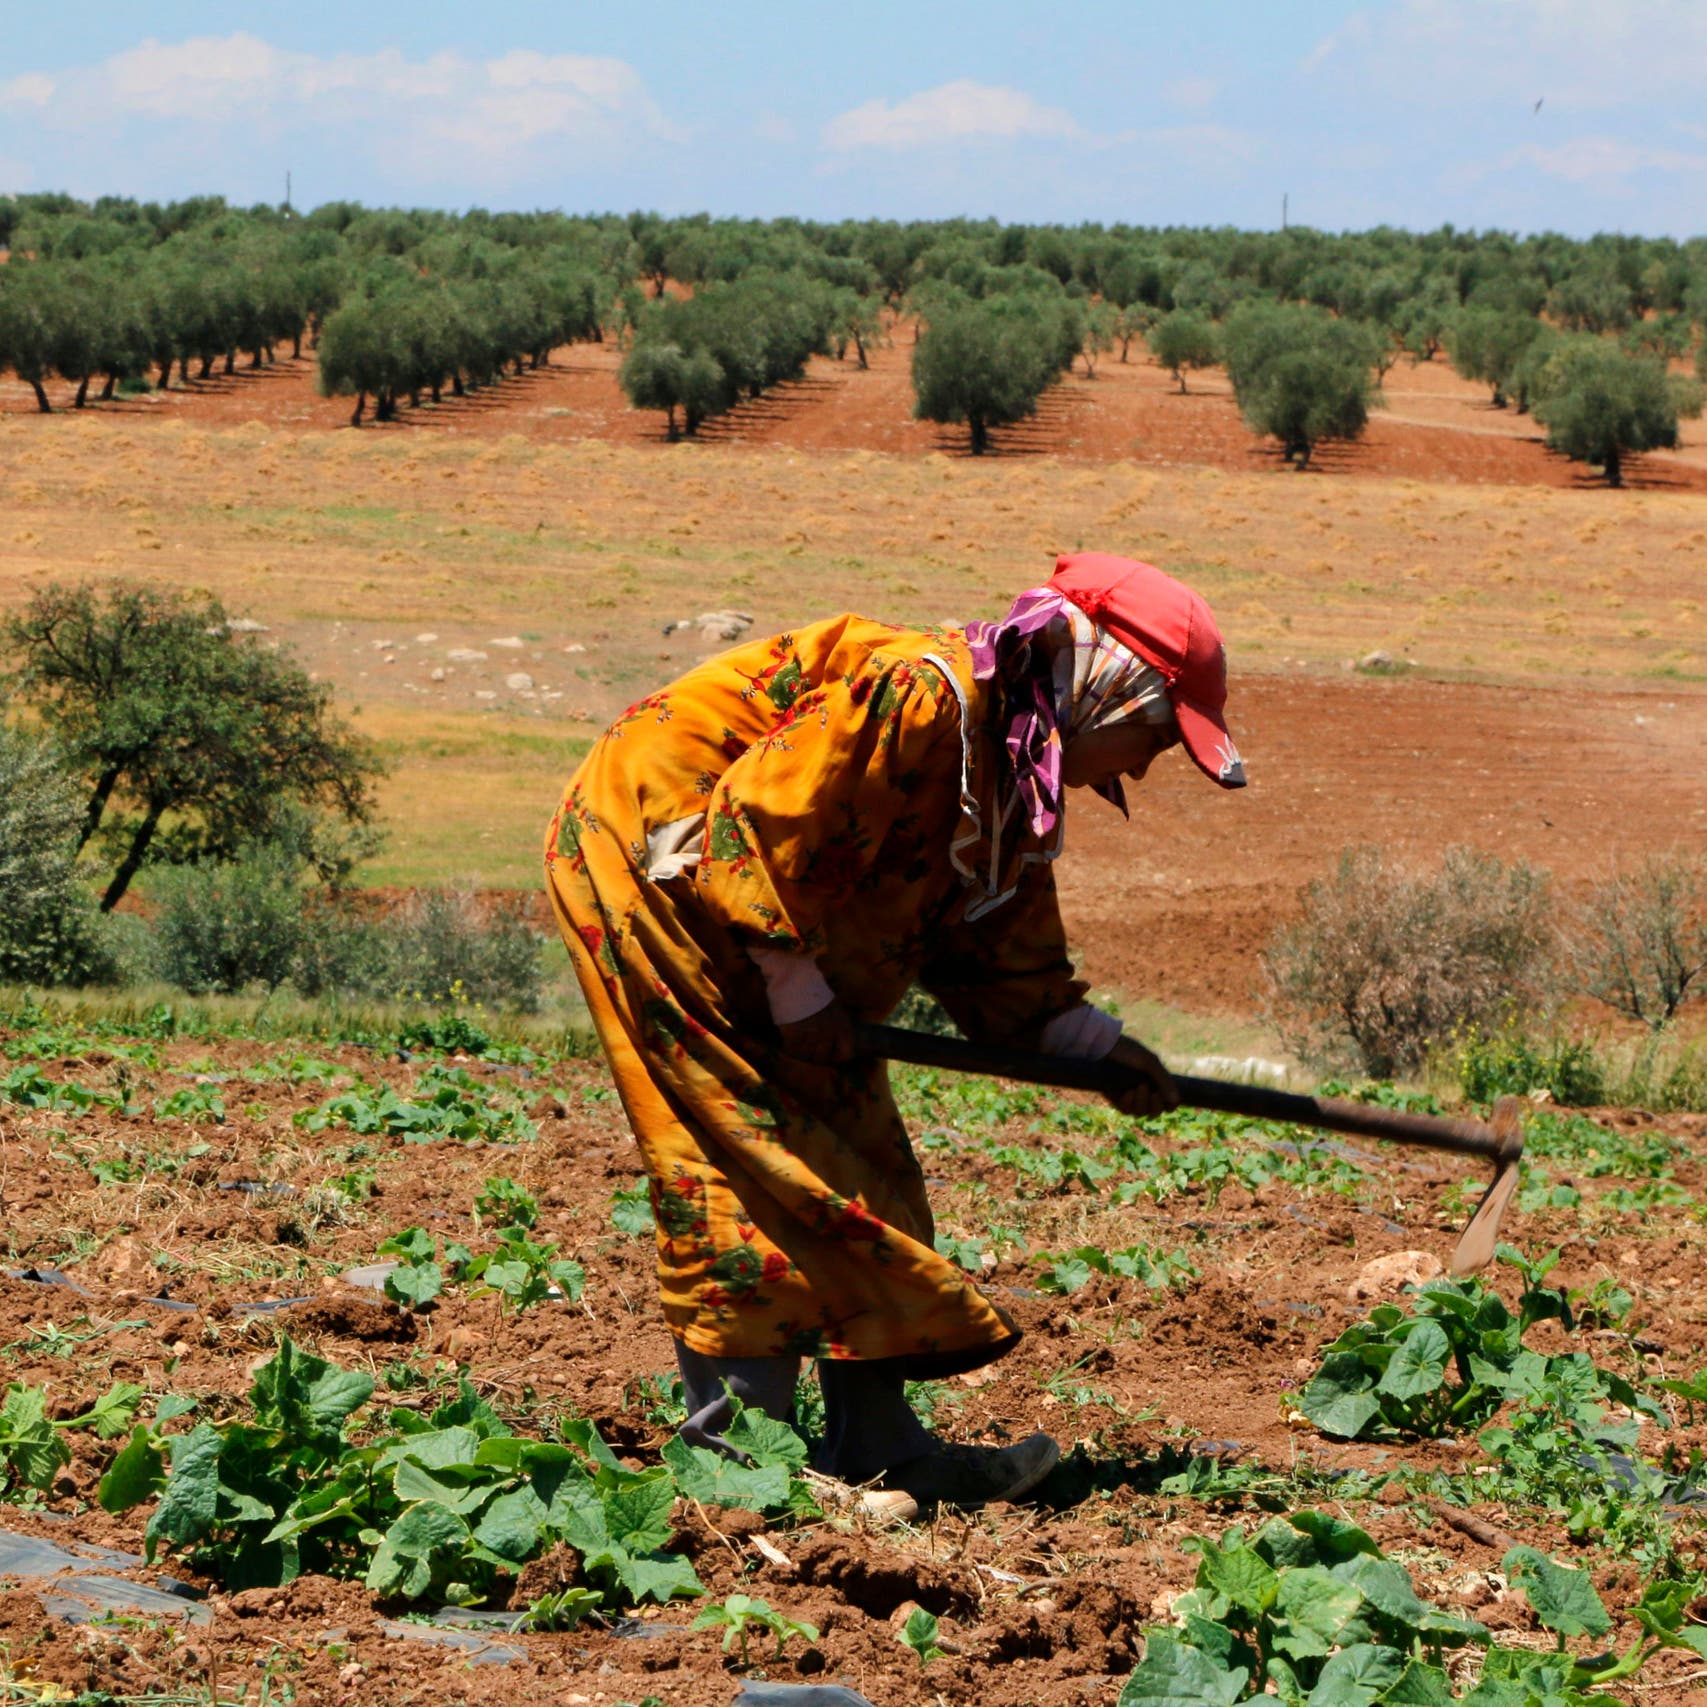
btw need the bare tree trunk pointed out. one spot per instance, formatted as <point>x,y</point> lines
<point>1614,467</point>
<point>356,413</point>
<point>104,787</point>
<point>110,387</point>
<point>980,435</point>
<point>165,373</point>
<point>82,392</point>
<point>132,860</point>
<point>231,361</point>
<point>41,397</point>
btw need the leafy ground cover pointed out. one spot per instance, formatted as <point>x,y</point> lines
<point>1285,1470</point>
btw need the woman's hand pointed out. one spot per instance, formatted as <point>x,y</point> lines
<point>825,1038</point>
<point>1152,1090</point>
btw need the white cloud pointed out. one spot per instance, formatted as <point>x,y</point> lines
<point>442,110</point>
<point>30,90</point>
<point>1192,94</point>
<point>1570,53</point>
<point>960,111</point>
<point>1601,162</point>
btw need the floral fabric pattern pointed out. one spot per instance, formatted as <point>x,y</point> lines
<point>827,763</point>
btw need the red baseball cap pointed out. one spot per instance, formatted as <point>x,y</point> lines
<point>1173,630</point>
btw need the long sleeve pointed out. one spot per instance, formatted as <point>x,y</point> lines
<point>1004,978</point>
<point>795,823</point>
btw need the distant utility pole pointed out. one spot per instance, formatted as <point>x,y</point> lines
<point>1282,209</point>
<point>287,189</point>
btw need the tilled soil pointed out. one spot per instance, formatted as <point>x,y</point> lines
<point>1040,1604</point>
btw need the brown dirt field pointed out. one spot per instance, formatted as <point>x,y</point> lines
<point>1436,426</point>
<point>1554,707</point>
<point>1041,1605</point>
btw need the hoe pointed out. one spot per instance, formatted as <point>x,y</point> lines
<point>1500,1143</point>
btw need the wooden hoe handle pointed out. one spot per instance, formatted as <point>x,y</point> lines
<point>1502,1142</point>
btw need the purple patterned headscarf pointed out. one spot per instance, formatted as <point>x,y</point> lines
<point>1058,674</point>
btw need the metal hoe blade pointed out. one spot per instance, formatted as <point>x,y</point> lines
<point>1480,1239</point>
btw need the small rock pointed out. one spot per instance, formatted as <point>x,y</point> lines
<point>510,643</point>
<point>577,647</point>
<point>898,1618</point>
<point>465,655</point>
<point>1375,661</point>
<point>1384,1276</point>
<point>518,681</point>
<point>484,693</point>
<point>245,625</point>
<point>425,639</point>
<point>437,675</point>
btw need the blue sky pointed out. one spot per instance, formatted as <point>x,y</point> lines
<point>1405,112</point>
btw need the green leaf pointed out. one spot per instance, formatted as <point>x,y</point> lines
<point>306,1397</point>
<point>1387,1587</point>
<point>459,1488</point>
<point>1238,1573</point>
<point>190,1502</point>
<point>1173,1675</point>
<point>661,1576</point>
<point>29,1443</point>
<point>1310,1610</point>
<point>403,1565</point>
<point>765,1440</point>
<point>113,1412</point>
<point>715,1479</point>
<point>414,1283</point>
<point>1339,1400</point>
<point>1418,1365</point>
<point>1422,1685</point>
<point>134,1475</point>
<point>412,1245</point>
<point>638,1514</point>
<point>1357,1676</point>
<point>511,1526</point>
<point>920,1634</point>
<point>1333,1539</point>
<point>1564,1600</point>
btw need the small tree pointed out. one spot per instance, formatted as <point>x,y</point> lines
<point>984,363</point>
<point>1181,340</point>
<point>1641,943</point>
<point>1487,343</point>
<point>1100,324</point>
<point>1600,405</point>
<point>191,739</point>
<point>31,309</point>
<point>656,375</point>
<point>1308,380</point>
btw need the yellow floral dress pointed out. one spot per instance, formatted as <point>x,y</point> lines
<point>799,793</point>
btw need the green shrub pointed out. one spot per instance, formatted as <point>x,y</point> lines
<point>1501,1063</point>
<point>225,927</point>
<point>446,945</point>
<point>340,950</point>
<point>1384,965</point>
<point>49,929</point>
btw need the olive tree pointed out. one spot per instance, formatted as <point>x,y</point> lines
<point>191,739</point>
<point>1487,344</point>
<point>985,363</point>
<point>1300,375</point>
<point>1181,340</point>
<point>1600,405</point>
